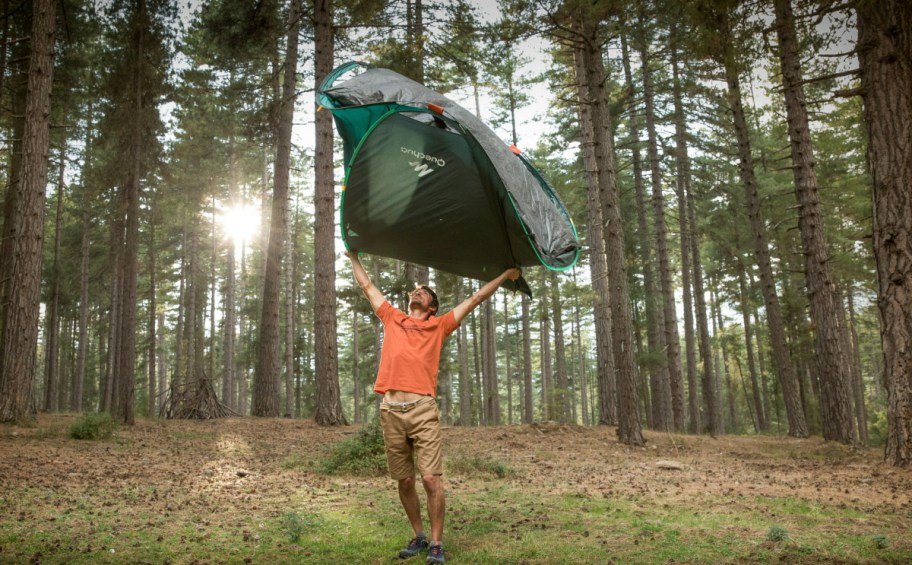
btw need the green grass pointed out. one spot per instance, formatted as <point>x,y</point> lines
<point>486,524</point>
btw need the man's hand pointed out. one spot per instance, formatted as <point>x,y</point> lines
<point>512,273</point>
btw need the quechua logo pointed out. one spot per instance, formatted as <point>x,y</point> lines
<point>422,163</point>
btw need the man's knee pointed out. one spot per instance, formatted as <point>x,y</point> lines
<point>432,483</point>
<point>406,484</point>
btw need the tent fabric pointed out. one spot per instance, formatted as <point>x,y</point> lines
<point>428,182</point>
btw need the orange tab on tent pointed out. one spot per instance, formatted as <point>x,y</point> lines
<point>435,108</point>
<point>515,150</point>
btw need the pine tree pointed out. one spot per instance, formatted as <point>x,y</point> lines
<point>19,325</point>
<point>884,44</point>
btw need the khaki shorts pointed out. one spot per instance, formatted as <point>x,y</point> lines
<point>411,433</point>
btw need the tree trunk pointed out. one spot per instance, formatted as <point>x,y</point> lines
<point>708,380</point>
<point>562,394</point>
<point>829,345</point>
<point>682,179</point>
<point>76,399</point>
<point>581,358</point>
<point>527,361</point>
<point>489,355</point>
<point>599,156</point>
<point>673,389</point>
<point>718,330</point>
<point>356,365</point>
<point>17,85</point>
<point>506,348</point>
<point>861,412</point>
<point>465,383</point>
<point>19,325</point>
<point>123,372</point>
<point>229,334</point>
<point>327,401</point>
<point>544,329</point>
<point>152,351</point>
<point>289,320</point>
<point>52,349</point>
<point>655,338</point>
<point>761,416</point>
<point>781,357</point>
<point>266,398</point>
<point>884,45</point>
<point>607,386</point>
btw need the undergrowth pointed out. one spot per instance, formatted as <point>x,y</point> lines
<point>361,454</point>
<point>94,426</point>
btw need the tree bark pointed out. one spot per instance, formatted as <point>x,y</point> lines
<point>829,344</point>
<point>884,47</point>
<point>19,325</point>
<point>327,400</point>
<point>599,156</point>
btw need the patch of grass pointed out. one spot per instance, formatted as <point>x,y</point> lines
<point>880,541</point>
<point>94,426</point>
<point>360,454</point>
<point>478,466</point>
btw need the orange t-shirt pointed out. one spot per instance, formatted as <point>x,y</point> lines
<point>410,356</point>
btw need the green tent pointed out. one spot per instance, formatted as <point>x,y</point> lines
<point>427,182</point>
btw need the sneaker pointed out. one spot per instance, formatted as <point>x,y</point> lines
<point>435,555</point>
<point>416,546</point>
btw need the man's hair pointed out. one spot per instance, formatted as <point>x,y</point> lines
<point>434,302</point>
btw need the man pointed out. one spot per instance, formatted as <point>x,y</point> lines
<point>407,379</point>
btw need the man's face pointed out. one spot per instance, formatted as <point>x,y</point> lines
<point>420,299</point>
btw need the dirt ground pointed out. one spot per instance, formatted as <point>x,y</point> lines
<point>240,463</point>
<point>589,461</point>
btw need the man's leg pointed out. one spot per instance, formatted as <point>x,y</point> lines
<point>409,498</point>
<point>433,486</point>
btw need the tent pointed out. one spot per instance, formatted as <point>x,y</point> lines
<point>427,182</point>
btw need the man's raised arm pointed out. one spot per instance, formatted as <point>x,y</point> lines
<point>484,293</point>
<point>373,294</point>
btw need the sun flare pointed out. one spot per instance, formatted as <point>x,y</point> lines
<point>239,222</point>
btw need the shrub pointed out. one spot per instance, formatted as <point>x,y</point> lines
<point>776,533</point>
<point>360,454</point>
<point>880,541</point>
<point>295,525</point>
<point>94,426</point>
